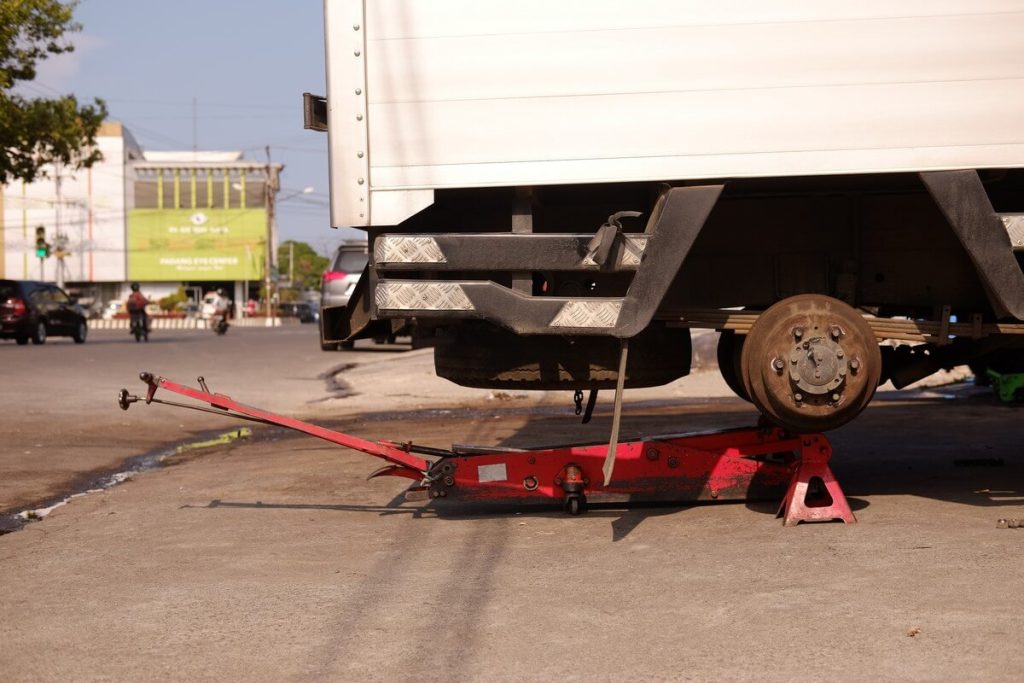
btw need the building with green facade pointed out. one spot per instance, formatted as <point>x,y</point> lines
<point>195,219</point>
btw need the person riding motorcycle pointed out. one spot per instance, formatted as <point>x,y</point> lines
<point>221,309</point>
<point>136,306</point>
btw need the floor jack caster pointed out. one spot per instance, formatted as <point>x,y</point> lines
<point>575,503</point>
<point>573,482</point>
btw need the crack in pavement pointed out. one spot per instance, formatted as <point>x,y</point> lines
<point>334,385</point>
<point>107,478</point>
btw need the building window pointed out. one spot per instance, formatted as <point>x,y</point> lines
<point>199,188</point>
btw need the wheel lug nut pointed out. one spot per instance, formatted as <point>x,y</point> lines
<point>798,332</point>
<point>798,397</point>
<point>778,365</point>
<point>835,397</point>
<point>839,353</point>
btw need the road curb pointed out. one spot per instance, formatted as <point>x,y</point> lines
<point>190,323</point>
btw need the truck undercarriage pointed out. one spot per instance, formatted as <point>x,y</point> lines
<point>823,287</point>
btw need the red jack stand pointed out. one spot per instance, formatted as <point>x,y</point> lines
<point>801,504</point>
<point>740,465</point>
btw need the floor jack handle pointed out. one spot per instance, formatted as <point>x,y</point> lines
<point>411,466</point>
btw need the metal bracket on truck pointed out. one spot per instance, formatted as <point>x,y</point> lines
<point>961,197</point>
<point>655,255</point>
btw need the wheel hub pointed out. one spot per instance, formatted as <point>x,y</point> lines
<point>811,363</point>
<point>818,366</point>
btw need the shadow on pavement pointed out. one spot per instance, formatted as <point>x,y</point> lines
<point>624,519</point>
<point>152,340</point>
<point>378,348</point>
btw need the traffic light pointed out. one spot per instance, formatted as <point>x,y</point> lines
<point>42,248</point>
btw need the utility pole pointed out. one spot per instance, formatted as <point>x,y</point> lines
<point>245,287</point>
<point>270,190</point>
<point>291,264</point>
<point>58,238</point>
<point>60,251</point>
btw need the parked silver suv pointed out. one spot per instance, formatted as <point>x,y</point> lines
<point>340,279</point>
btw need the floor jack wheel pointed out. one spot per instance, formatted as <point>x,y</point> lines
<point>811,363</point>
<point>575,503</point>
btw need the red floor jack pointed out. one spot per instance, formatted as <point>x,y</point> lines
<point>740,464</point>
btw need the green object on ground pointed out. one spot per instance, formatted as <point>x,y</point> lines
<point>1009,387</point>
<point>222,440</point>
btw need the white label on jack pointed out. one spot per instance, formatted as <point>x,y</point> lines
<point>492,472</point>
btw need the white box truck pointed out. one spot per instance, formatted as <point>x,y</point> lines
<point>541,182</point>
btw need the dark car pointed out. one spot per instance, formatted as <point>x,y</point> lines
<point>37,310</point>
<point>305,311</point>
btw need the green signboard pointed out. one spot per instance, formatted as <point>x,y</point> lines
<point>196,244</point>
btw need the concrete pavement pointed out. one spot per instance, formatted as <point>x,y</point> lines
<point>277,560</point>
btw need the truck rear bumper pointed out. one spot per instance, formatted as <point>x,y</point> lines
<point>406,276</point>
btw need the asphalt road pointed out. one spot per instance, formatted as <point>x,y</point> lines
<point>276,559</point>
<point>61,423</point>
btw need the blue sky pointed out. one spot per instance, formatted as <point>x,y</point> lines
<point>247,64</point>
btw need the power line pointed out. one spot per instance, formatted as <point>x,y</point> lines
<point>230,117</point>
<point>166,139</point>
<point>37,84</point>
<point>219,105</point>
<point>309,150</point>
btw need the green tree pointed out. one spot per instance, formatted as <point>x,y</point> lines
<point>36,131</point>
<point>309,265</point>
<point>174,301</point>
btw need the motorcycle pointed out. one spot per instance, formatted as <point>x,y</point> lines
<point>220,325</point>
<point>138,327</point>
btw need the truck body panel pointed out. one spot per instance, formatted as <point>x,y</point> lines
<point>456,94</point>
